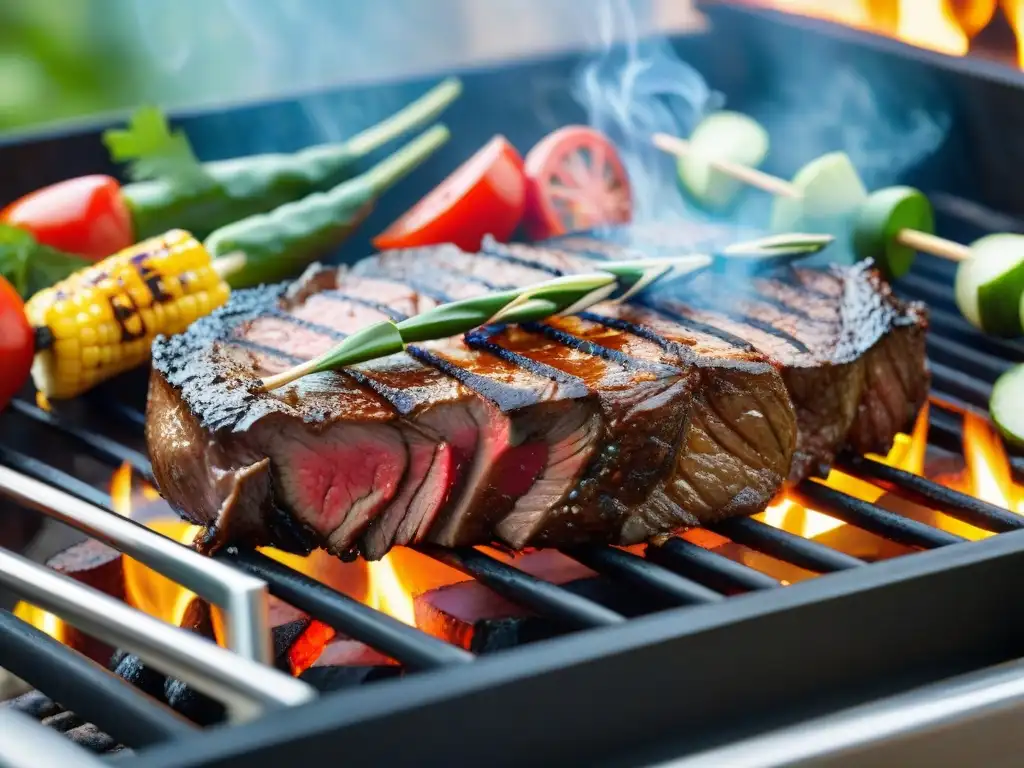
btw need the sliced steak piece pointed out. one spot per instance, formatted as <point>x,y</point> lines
<point>680,412</point>
<point>509,443</point>
<point>851,354</point>
<point>339,452</point>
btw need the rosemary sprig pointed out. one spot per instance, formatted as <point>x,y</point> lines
<point>566,295</point>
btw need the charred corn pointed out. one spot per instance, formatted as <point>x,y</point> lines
<point>101,321</point>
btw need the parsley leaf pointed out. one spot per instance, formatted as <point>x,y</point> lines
<point>153,151</point>
<point>30,266</point>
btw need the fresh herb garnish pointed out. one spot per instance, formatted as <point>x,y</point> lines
<point>30,266</point>
<point>153,151</point>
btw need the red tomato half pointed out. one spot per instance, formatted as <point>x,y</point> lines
<point>85,216</point>
<point>484,195</point>
<point>575,180</point>
<point>17,343</point>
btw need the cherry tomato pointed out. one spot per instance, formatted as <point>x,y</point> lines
<point>484,195</point>
<point>575,180</point>
<point>86,216</point>
<point>17,343</point>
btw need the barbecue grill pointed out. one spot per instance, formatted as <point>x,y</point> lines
<point>700,643</point>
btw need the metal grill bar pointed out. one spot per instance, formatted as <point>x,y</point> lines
<point>541,597</point>
<point>243,598</point>
<point>948,352</point>
<point>40,470</point>
<point>88,689</point>
<point>707,567</point>
<point>245,687</point>
<point>99,446</point>
<point>408,645</point>
<point>643,575</point>
<point>923,491</point>
<point>889,525</point>
<point>786,546</point>
<point>28,744</point>
<point>949,381</point>
<point>949,326</point>
<point>112,404</point>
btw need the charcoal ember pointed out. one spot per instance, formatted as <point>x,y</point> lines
<point>190,703</point>
<point>472,616</point>
<point>132,669</point>
<point>35,704</point>
<point>62,721</point>
<point>328,679</point>
<point>196,706</point>
<point>285,636</point>
<point>346,663</point>
<point>89,737</point>
<point>345,652</point>
<point>98,566</point>
<point>41,707</point>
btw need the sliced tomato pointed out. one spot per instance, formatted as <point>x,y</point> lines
<point>85,216</point>
<point>17,343</point>
<point>575,180</point>
<point>484,195</point>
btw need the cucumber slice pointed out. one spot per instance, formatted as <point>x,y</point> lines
<point>1007,405</point>
<point>723,135</point>
<point>832,194</point>
<point>880,220</point>
<point>990,285</point>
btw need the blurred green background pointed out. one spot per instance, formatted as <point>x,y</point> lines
<point>62,59</point>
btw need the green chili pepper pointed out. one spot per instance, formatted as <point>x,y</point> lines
<point>221,192</point>
<point>281,243</point>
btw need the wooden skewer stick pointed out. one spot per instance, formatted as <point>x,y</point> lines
<point>752,176</point>
<point>933,244</point>
<point>912,238</point>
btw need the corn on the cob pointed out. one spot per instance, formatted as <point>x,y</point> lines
<point>101,321</point>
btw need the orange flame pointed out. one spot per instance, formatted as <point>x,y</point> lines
<point>987,476</point>
<point>946,26</point>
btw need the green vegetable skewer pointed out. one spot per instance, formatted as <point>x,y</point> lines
<point>270,247</point>
<point>1007,405</point>
<point>173,190</point>
<point>565,295</point>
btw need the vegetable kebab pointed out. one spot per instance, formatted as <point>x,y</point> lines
<point>95,216</point>
<point>889,226</point>
<point>101,321</point>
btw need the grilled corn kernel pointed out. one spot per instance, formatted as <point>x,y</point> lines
<point>103,319</point>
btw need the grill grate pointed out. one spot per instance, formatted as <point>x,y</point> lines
<point>676,571</point>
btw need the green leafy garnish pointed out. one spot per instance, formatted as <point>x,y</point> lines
<point>794,245</point>
<point>153,151</point>
<point>30,266</point>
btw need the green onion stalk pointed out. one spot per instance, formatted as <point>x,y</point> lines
<point>566,295</point>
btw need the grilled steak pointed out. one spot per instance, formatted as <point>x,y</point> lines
<point>436,445</point>
<point>616,425</point>
<point>851,354</point>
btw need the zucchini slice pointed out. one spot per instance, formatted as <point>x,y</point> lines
<point>722,135</point>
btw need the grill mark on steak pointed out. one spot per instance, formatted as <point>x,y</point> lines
<point>266,350</point>
<point>325,330</point>
<point>384,309</point>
